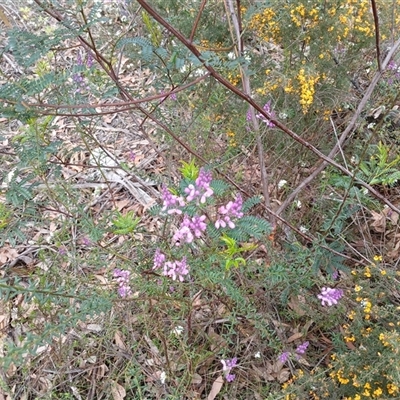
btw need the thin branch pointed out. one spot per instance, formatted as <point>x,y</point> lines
<point>117,104</point>
<point>254,120</point>
<point>376,23</point>
<point>196,22</point>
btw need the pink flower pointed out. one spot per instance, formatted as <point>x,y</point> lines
<point>122,277</point>
<point>231,210</point>
<point>330,296</point>
<point>201,189</point>
<point>227,366</point>
<point>170,202</point>
<point>176,270</point>
<point>189,229</point>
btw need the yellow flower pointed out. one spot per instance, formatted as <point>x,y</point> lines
<point>377,258</point>
<point>377,392</point>
<point>383,272</point>
<point>392,388</point>
<point>357,288</point>
<point>351,314</point>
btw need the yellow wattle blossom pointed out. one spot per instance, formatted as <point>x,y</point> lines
<point>377,392</point>
<point>367,272</point>
<point>392,388</point>
<point>266,25</point>
<point>234,78</point>
<point>231,136</point>
<point>351,314</point>
<point>307,89</point>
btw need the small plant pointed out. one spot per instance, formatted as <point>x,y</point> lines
<point>125,224</point>
<point>200,227</point>
<point>380,169</point>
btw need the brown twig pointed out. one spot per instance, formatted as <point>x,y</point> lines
<point>196,22</point>
<point>118,104</point>
<point>254,120</point>
<point>376,23</point>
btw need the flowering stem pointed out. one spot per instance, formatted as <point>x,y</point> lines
<point>254,120</point>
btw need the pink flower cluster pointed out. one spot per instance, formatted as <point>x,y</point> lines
<point>201,189</point>
<point>173,269</point>
<point>189,229</point>
<point>330,296</point>
<point>267,108</point>
<point>231,210</point>
<point>170,201</point>
<point>122,277</point>
<point>227,366</point>
<point>300,350</point>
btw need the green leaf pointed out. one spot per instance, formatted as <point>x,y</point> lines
<point>125,224</point>
<point>189,170</point>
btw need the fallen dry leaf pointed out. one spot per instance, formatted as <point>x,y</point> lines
<point>379,221</point>
<point>216,388</point>
<point>295,304</point>
<point>117,391</point>
<point>294,337</point>
<point>119,341</point>
<point>7,253</point>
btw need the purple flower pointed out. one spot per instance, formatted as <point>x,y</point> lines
<point>170,201</point>
<point>268,111</point>
<point>86,241</point>
<point>62,250</point>
<point>122,277</point>
<point>392,66</point>
<point>132,156</point>
<point>231,210</point>
<point>201,189</point>
<point>159,259</point>
<point>302,348</point>
<point>176,269</point>
<point>248,115</point>
<point>335,274</point>
<point>89,61</point>
<point>284,357</point>
<point>79,60</point>
<point>189,229</point>
<point>227,366</point>
<point>330,296</point>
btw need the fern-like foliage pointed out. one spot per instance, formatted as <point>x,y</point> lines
<point>250,203</point>
<point>27,47</point>
<point>219,187</point>
<point>213,232</point>
<point>250,226</point>
<point>146,47</point>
